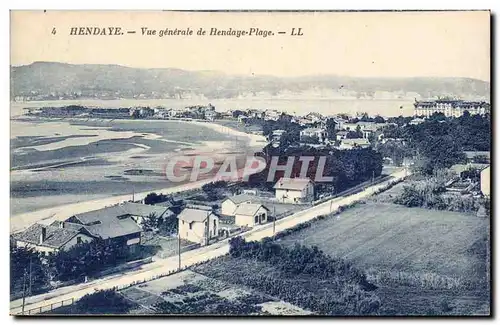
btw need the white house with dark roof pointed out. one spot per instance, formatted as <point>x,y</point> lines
<point>111,224</point>
<point>229,205</point>
<point>51,238</point>
<point>294,190</point>
<point>250,214</point>
<point>197,224</point>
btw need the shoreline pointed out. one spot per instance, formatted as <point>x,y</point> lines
<point>21,221</point>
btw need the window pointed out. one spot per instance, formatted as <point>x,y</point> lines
<point>256,219</point>
<point>79,240</point>
<point>190,226</point>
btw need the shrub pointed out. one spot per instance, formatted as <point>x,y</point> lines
<point>103,302</point>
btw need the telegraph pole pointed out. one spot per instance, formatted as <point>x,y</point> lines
<point>179,246</point>
<point>24,291</point>
<point>274,221</point>
<point>207,231</point>
<point>29,290</point>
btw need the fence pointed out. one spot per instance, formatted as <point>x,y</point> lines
<point>48,308</point>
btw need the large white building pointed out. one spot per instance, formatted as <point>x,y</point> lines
<point>450,108</point>
<point>294,190</point>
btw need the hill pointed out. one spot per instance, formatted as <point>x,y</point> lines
<point>53,80</point>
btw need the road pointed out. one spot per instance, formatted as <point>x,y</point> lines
<point>163,266</point>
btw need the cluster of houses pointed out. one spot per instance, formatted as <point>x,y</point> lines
<point>365,131</point>
<point>473,176</point>
<point>121,224</point>
<point>201,112</point>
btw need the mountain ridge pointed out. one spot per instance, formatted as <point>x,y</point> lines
<point>57,80</point>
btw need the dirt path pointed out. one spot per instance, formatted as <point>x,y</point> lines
<point>160,267</point>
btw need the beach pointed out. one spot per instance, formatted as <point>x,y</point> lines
<point>78,165</point>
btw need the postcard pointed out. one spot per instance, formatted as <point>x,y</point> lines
<point>250,163</point>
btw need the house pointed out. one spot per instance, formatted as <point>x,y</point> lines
<point>314,117</point>
<point>112,225</point>
<point>304,122</point>
<point>485,181</point>
<point>250,214</point>
<point>346,144</point>
<point>313,135</point>
<point>272,115</point>
<point>231,203</point>
<point>294,190</point>
<point>416,121</point>
<point>211,115</point>
<point>197,225</point>
<point>477,156</point>
<point>341,135</point>
<point>136,211</point>
<point>51,238</point>
<point>139,211</point>
<point>256,113</point>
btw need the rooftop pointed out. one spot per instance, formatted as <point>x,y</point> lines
<point>124,209</point>
<point>240,198</point>
<point>355,141</point>
<point>310,130</point>
<point>195,215</point>
<point>297,184</point>
<point>113,228</point>
<point>473,154</point>
<point>55,237</point>
<point>248,209</point>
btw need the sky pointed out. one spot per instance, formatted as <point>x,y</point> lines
<point>360,44</point>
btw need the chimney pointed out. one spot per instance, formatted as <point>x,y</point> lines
<point>43,235</point>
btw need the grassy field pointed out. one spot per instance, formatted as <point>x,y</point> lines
<point>424,255</point>
<point>391,236</point>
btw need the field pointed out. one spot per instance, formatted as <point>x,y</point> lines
<point>412,251</point>
<point>390,236</point>
<point>192,293</point>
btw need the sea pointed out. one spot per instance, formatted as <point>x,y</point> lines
<point>62,161</point>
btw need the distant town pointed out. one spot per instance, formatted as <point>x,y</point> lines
<point>365,155</point>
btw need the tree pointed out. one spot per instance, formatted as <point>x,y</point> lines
<point>24,261</point>
<point>330,129</point>
<point>151,222</point>
<point>379,119</point>
<point>153,198</point>
<point>236,113</point>
<point>86,259</point>
<point>354,134</point>
<point>136,114</point>
<point>104,302</point>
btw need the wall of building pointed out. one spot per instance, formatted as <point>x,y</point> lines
<point>84,238</point>
<point>197,232</point>
<point>485,181</point>
<point>228,207</point>
<point>45,249</point>
<point>292,196</point>
<point>242,220</point>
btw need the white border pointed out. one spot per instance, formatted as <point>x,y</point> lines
<point>191,5</point>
